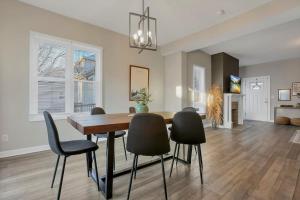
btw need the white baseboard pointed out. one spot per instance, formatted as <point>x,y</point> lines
<point>22,151</point>
<point>27,150</point>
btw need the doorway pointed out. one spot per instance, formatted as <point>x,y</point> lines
<point>257,98</point>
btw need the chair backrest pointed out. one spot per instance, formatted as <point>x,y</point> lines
<point>189,109</point>
<point>132,109</point>
<point>53,137</point>
<point>147,135</point>
<point>97,111</point>
<point>187,128</point>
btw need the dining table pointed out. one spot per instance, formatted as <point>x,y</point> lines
<point>88,125</point>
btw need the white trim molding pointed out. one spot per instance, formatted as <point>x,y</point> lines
<point>22,151</point>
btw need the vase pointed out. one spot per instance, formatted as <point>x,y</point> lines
<point>214,124</point>
<point>141,108</point>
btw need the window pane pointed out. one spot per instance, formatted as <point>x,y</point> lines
<point>51,96</point>
<point>84,96</point>
<point>199,95</point>
<point>51,60</point>
<point>84,65</point>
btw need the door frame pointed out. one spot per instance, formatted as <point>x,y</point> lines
<point>268,80</point>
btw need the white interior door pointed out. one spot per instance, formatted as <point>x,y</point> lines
<point>257,98</point>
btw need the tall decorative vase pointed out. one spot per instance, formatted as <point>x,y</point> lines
<point>214,124</point>
<point>141,108</point>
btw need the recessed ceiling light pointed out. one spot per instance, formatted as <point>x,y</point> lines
<point>221,12</point>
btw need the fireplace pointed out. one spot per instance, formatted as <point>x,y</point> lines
<point>233,110</point>
<point>234,113</point>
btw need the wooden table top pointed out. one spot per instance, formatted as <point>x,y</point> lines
<point>89,124</point>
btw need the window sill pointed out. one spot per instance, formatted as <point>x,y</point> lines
<point>40,117</point>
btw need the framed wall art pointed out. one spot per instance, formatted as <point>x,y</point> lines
<point>295,88</point>
<point>138,79</point>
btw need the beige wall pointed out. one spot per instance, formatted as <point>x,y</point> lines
<point>282,74</point>
<point>179,73</point>
<point>201,59</point>
<point>16,20</point>
<point>173,81</point>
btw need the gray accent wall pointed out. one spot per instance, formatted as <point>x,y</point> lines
<point>282,74</point>
<point>16,22</point>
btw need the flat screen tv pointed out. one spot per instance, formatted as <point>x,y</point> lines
<point>235,84</point>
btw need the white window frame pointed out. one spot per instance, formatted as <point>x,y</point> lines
<point>71,45</point>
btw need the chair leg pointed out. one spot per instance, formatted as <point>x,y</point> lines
<point>164,177</point>
<point>201,158</point>
<point>200,162</point>
<point>195,149</point>
<point>173,159</point>
<point>87,164</point>
<point>135,166</point>
<point>53,179</point>
<point>177,154</point>
<point>96,169</point>
<point>124,147</point>
<point>132,170</point>
<point>62,177</point>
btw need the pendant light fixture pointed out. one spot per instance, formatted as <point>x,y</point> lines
<point>142,30</point>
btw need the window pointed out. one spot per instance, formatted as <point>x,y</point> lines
<point>65,76</point>
<point>199,95</point>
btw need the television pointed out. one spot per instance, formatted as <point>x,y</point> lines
<point>235,84</point>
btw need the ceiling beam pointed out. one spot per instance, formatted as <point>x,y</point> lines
<point>270,14</point>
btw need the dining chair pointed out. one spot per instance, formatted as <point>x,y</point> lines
<point>66,149</point>
<point>186,109</point>
<point>118,134</point>
<point>147,136</point>
<point>187,128</point>
<point>132,109</point>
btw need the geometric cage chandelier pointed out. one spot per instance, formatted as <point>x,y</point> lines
<point>142,30</point>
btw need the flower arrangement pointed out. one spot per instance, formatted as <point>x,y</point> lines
<point>214,105</point>
<point>142,99</point>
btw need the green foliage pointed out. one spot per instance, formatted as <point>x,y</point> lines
<point>143,97</point>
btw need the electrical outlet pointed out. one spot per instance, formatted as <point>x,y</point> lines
<point>4,138</point>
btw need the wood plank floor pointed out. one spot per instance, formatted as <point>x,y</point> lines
<point>255,161</point>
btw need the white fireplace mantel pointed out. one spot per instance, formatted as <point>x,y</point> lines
<point>227,109</point>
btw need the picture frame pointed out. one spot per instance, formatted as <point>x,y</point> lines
<point>138,79</point>
<point>295,88</point>
<point>284,94</point>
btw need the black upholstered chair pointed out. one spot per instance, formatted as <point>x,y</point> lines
<point>186,109</point>
<point>187,128</point>
<point>147,136</point>
<point>189,109</point>
<point>132,109</point>
<point>118,134</point>
<point>66,149</point>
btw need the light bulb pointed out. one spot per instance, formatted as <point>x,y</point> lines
<point>135,36</point>
<point>142,40</point>
<point>139,32</point>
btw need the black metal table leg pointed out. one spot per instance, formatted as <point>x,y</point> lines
<point>110,165</point>
<point>89,158</point>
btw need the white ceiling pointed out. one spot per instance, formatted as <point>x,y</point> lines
<point>276,43</point>
<point>176,19</point>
